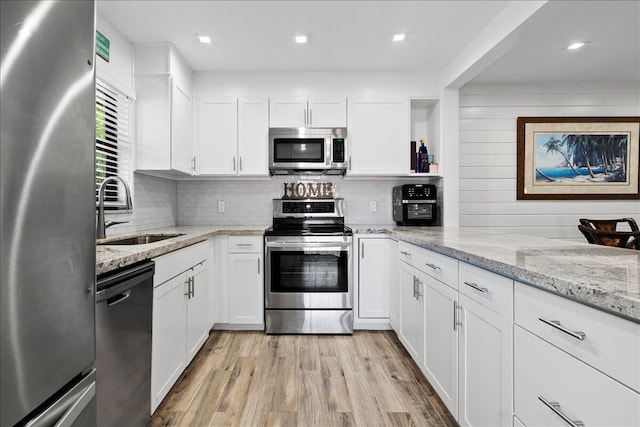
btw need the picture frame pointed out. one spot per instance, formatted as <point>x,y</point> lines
<point>578,158</point>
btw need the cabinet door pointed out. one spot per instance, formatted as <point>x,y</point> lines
<point>327,113</point>
<point>169,337</point>
<point>485,366</point>
<point>379,137</point>
<point>441,341</point>
<point>394,285</point>
<point>287,112</point>
<point>246,293</point>
<point>411,314</point>
<point>153,123</point>
<point>550,383</point>
<point>181,131</point>
<point>197,311</point>
<point>217,141</point>
<point>373,287</point>
<point>253,137</point>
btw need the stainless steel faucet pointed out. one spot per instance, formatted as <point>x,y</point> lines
<point>101,225</point>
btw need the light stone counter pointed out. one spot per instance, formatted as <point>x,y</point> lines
<point>111,257</point>
<point>602,277</point>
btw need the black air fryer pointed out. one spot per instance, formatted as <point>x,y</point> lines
<point>415,204</point>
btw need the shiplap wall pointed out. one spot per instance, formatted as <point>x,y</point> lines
<point>488,116</point>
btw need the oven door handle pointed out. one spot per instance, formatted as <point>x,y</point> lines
<point>309,245</point>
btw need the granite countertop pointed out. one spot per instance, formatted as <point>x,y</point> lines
<point>111,257</point>
<point>603,277</point>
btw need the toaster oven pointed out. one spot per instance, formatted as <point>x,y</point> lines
<point>415,204</point>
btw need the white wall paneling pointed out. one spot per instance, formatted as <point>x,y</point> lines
<point>487,155</point>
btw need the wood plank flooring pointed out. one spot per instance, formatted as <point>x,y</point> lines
<point>252,379</point>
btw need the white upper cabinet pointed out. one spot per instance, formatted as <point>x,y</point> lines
<point>310,113</point>
<point>379,137</point>
<point>163,88</point>
<point>253,136</point>
<point>231,136</point>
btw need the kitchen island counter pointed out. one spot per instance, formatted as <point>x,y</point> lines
<point>111,257</point>
<point>602,277</point>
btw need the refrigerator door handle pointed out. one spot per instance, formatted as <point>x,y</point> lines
<point>66,410</point>
<point>72,414</point>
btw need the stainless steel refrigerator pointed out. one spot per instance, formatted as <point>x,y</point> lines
<point>47,139</point>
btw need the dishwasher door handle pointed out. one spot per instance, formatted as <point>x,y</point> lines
<point>118,298</point>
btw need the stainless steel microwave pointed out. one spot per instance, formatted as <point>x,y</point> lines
<point>306,150</point>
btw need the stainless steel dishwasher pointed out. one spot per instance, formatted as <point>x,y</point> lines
<point>124,302</point>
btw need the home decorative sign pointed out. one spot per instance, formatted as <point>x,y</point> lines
<point>578,158</point>
<point>309,190</point>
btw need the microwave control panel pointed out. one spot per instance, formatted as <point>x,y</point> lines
<point>338,150</point>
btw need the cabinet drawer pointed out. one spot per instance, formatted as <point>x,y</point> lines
<point>245,244</point>
<point>436,265</point>
<point>542,371</point>
<point>174,263</point>
<point>489,289</point>
<point>610,343</point>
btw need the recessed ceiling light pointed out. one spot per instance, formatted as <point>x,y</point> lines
<point>301,39</point>
<point>398,37</point>
<point>575,46</point>
<point>204,39</point>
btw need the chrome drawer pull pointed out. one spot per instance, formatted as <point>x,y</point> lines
<point>556,324</point>
<point>405,253</point>
<point>555,407</point>
<point>244,245</point>
<point>435,267</point>
<point>477,288</point>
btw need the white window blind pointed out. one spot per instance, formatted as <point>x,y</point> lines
<point>113,143</point>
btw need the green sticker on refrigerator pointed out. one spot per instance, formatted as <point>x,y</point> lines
<point>102,46</point>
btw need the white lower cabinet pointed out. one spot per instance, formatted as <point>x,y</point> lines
<point>485,344</point>
<point>373,278</point>
<point>394,285</point>
<point>412,312</point>
<point>246,298</point>
<point>441,341</point>
<point>239,284</point>
<point>180,316</point>
<point>463,338</point>
<point>552,388</point>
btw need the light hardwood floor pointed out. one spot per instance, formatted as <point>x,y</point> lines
<point>253,379</point>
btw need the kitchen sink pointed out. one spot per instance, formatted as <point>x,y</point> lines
<point>142,239</point>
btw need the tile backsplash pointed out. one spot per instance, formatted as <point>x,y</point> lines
<point>160,202</point>
<point>250,201</point>
<point>154,206</point>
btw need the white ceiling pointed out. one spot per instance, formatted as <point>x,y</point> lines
<point>356,36</point>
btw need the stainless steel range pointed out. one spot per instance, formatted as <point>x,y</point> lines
<point>308,287</point>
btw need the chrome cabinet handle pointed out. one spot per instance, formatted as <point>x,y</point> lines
<point>362,249</point>
<point>415,279</point>
<point>433,266</point>
<point>244,245</point>
<point>418,293</point>
<point>258,265</point>
<point>193,163</point>
<point>240,163</point>
<point>477,288</point>
<point>555,407</point>
<point>193,287</point>
<point>405,253</point>
<point>234,163</point>
<point>456,323</point>
<point>188,283</point>
<point>556,324</point>
<point>310,117</point>
<point>349,162</point>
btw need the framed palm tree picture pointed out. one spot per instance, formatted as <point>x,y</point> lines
<point>578,158</point>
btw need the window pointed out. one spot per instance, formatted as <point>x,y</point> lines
<point>113,143</point>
